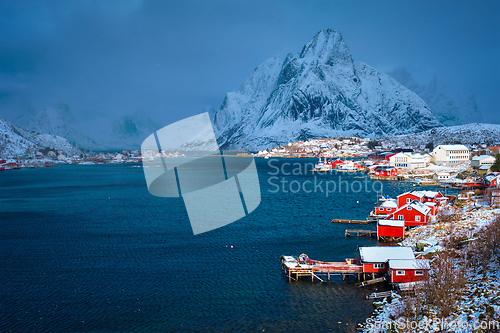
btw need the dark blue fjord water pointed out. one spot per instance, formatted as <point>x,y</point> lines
<point>88,249</point>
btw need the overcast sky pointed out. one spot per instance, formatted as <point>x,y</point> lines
<point>172,58</point>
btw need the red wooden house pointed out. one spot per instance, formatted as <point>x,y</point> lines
<point>391,228</point>
<point>421,196</point>
<point>374,258</point>
<point>414,213</point>
<point>433,206</point>
<point>337,162</point>
<point>407,270</point>
<point>491,179</point>
<point>9,164</point>
<point>386,207</point>
<point>385,171</point>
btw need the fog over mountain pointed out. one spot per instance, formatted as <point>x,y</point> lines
<point>450,106</point>
<point>108,132</point>
<point>108,59</point>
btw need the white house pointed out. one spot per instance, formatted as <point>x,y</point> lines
<point>449,155</point>
<point>441,176</point>
<point>408,160</point>
<point>479,161</point>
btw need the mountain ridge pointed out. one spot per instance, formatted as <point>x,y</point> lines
<point>321,92</point>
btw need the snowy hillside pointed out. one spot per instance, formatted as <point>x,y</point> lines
<point>58,120</point>
<point>15,140</point>
<point>450,107</point>
<point>465,134</point>
<point>320,92</point>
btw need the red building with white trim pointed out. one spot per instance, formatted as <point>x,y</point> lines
<point>374,258</point>
<point>386,207</point>
<point>391,228</point>
<point>385,171</point>
<point>407,270</point>
<point>414,213</point>
<point>421,196</point>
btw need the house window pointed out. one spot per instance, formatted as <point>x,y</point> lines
<point>400,272</point>
<point>419,272</point>
<point>379,266</point>
<point>400,217</point>
<point>408,200</point>
<point>417,218</point>
<point>408,208</point>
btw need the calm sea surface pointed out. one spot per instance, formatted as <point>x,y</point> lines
<point>88,249</point>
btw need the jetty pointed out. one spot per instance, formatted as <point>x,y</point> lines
<point>381,294</point>
<point>294,268</point>
<point>369,282</point>
<point>351,221</point>
<point>360,232</point>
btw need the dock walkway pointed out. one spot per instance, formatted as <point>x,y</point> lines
<point>295,268</point>
<point>360,232</point>
<point>351,221</point>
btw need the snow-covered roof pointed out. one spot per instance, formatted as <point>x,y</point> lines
<point>417,205</point>
<point>384,253</point>
<point>482,157</point>
<point>420,194</point>
<point>424,209</point>
<point>389,204</point>
<point>452,147</point>
<point>430,203</point>
<point>409,264</point>
<point>392,223</point>
<point>427,194</point>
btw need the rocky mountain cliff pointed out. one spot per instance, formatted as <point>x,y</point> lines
<point>15,141</point>
<point>58,120</point>
<point>320,92</point>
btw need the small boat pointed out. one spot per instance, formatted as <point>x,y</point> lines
<point>325,165</point>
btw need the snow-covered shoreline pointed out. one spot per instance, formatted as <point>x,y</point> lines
<point>478,301</point>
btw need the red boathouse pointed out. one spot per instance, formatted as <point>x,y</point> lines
<point>391,228</point>
<point>408,270</point>
<point>414,213</point>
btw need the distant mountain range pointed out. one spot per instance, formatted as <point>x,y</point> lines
<point>465,134</point>
<point>106,133</point>
<point>58,120</point>
<point>448,106</point>
<point>15,141</point>
<point>320,92</point>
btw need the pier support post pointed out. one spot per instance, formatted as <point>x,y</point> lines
<point>328,276</point>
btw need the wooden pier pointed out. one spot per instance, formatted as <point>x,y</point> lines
<point>294,268</point>
<point>369,282</point>
<point>350,221</point>
<point>381,294</point>
<point>360,232</point>
<point>386,177</point>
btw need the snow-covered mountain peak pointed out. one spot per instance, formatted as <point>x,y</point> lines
<point>326,47</point>
<point>320,92</point>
